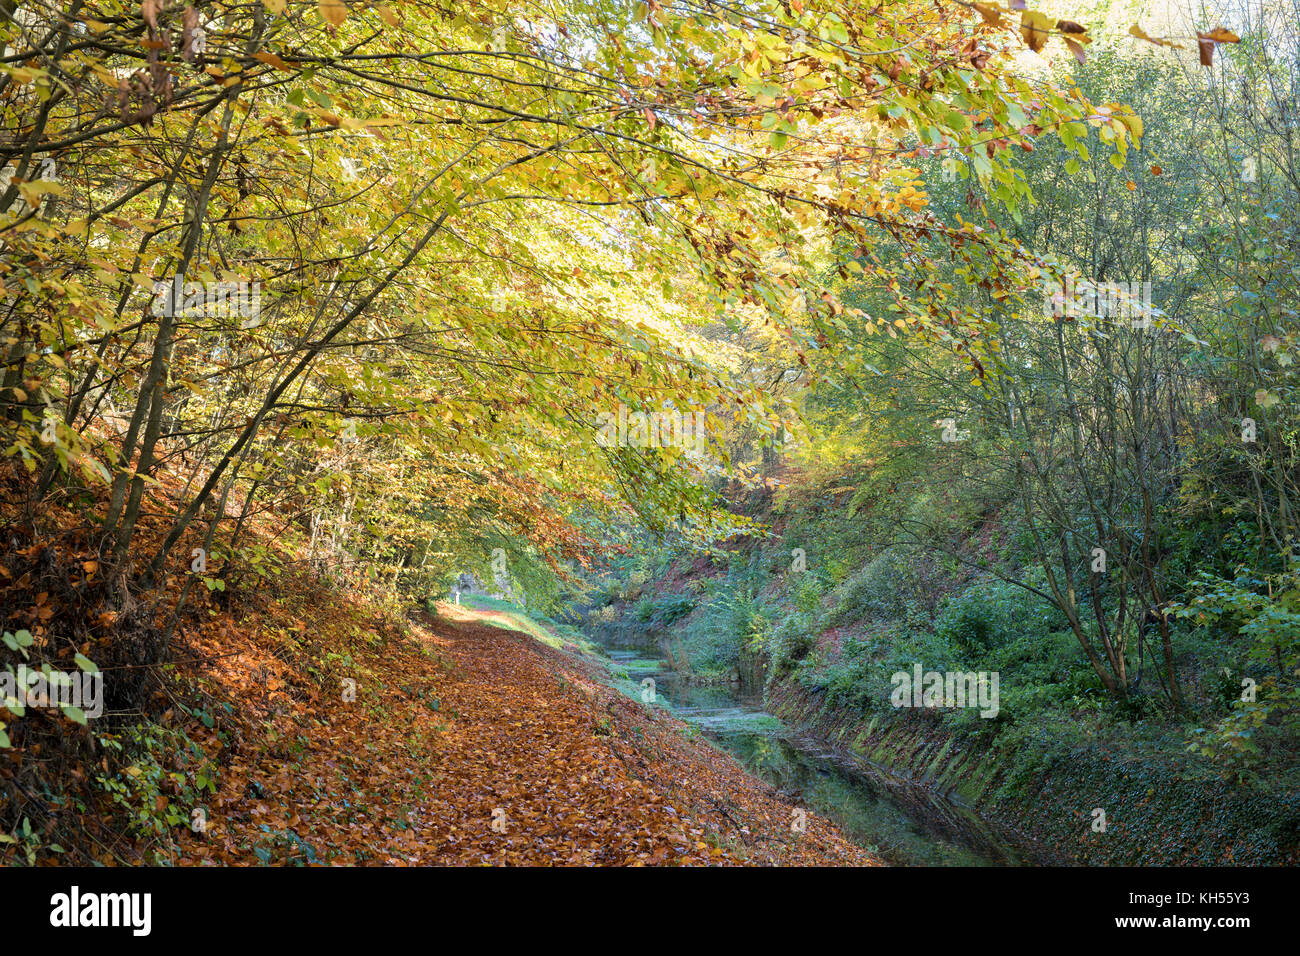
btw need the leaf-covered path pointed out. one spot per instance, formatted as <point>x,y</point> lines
<point>584,775</point>
<point>491,748</point>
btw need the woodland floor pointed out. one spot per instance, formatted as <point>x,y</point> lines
<point>475,719</point>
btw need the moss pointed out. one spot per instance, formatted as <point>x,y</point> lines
<point>1039,788</point>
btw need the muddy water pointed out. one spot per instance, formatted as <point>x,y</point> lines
<point>907,824</point>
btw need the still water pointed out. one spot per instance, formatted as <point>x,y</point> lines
<point>907,824</point>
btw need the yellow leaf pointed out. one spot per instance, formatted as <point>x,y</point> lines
<point>1034,29</point>
<point>1134,124</point>
<point>387,15</point>
<point>33,191</point>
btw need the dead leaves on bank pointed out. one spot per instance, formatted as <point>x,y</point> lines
<point>472,745</point>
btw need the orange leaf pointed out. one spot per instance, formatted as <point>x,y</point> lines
<point>1220,35</point>
<point>1141,34</point>
<point>333,11</point>
<point>1205,43</point>
<point>991,14</point>
<point>272,60</point>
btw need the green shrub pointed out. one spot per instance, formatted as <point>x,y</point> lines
<point>729,620</point>
<point>672,608</point>
<point>790,642</point>
<point>862,676</point>
<point>988,615</point>
<point>808,594</point>
<point>877,591</point>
